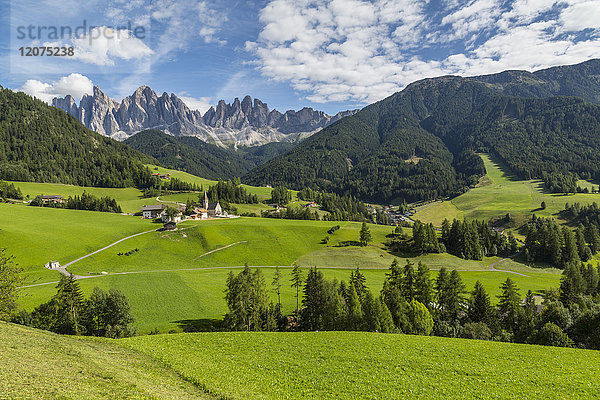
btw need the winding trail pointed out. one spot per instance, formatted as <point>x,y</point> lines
<point>492,266</point>
<point>63,269</point>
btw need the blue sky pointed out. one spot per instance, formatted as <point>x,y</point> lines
<point>329,55</point>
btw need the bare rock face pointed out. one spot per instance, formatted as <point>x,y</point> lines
<point>243,123</point>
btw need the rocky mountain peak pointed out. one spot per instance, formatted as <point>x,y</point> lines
<point>247,122</point>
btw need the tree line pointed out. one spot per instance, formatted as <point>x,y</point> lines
<point>10,191</point>
<point>86,201</point>
<point>104,314</point>
<point>546,241</point>
<point>412,301</point>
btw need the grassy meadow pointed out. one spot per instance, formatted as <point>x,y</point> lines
<point>347,365</point>
<point>38,365</point>
<point>163,294</point>
<point>310,365</point>
<point>35,235</point>
<point>500,192</point>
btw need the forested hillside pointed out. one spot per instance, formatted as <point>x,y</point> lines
<point>192,155</point>
<point>580,80</point>
<point>421,143</point>
<point>44,144</point>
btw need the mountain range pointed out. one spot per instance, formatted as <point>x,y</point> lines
<point>421,143</point>
<point>242,123</point>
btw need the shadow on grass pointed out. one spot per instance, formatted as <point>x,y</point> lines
<point>201,325</point>
<point>347,243</point>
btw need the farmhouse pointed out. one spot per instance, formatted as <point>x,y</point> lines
<point>53,199</point>
<point>176,218</point>
<point>52,265</point>
<point>162,176</point>
<point>199,213</point>
<point>152,211</point>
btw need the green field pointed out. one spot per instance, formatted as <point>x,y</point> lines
<point>41,365</point>
<point>263,193</point>
<point>344,365</point>
<point>178,300</point>
<point>498,193</point>
<point>324,365</point>
<point>162,295</point>
<point>37,235</point>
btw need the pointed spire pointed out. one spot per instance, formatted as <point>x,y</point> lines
<point>205,201</point>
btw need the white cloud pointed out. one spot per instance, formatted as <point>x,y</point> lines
<point>581,15</point>
<point>75,84</point>
<point>102,45</point>
<point>183,22</point>
<point>354,50</point>
<point>201,104</point>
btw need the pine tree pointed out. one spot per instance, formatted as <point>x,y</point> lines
<point>593,238</point>
<point>386,321</point>
<point>509,303</point>
<point>572,284</point>
<point>297,283</point>
<point>570,253</point>
<point>357,279</point>
<point>355,313</point>
<point>365,234</point>
<point>69,299</point>
<point>480,306</point>
<point>407,285</point>
<point>423,285</point>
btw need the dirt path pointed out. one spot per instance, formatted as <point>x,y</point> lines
<point>64,271</point>
<point>492,266</point>
<point>63,268</point>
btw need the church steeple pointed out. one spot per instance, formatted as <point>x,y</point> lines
<point>205,201</point>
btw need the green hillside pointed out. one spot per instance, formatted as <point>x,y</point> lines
<point>325,365</point>
<point>39,143</point>
<point>42,365</point>
<point>163,294</point>
<point>498,193</point>
<point>344,365</point>
<point>190,154</point>
<point>418,144</point>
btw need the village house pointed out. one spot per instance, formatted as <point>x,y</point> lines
<point>162,176</point>
<point>53,199</point>
<point>52,265</point>
<point>176,218</point>
<point>199,213</point>
<point>152,211</point>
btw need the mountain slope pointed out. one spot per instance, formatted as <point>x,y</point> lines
<point>190,154</point>
<point>43,144</point>
<point>420,143</point>
<point>245,123</point>
<point>580,80</point>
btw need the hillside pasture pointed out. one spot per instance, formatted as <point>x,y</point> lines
<point>502,193</point>
<point>352,365</point>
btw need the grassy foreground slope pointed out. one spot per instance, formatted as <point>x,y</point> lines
<point>345,365</point>
<point>498,193</point>
<point>41,365</point>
